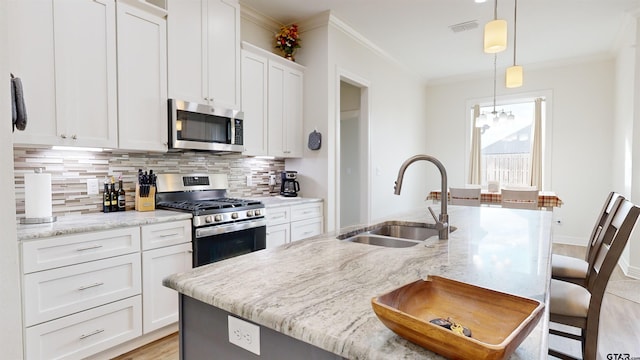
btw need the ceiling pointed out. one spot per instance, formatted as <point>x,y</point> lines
<point>416,32</point>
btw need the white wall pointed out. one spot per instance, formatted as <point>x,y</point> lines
<point>582,115</point>
<point>10,318</point>
<point>397,119</point>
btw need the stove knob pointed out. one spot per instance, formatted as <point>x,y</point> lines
<point>218,218</point>
<point>249,213</point>
<point>208,219</point>
<point>258,212</point>
<point>234,215</point>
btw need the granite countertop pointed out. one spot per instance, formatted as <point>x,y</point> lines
<point>319,290</point>
<point>73,224</point>
<point>276,201</point>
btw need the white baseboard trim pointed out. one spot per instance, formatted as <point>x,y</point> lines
<point>569,240</point>
<point>135,343</point>
<point>628,270</point>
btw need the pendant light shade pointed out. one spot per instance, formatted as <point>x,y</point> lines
<point>514,76</point>
<point>495,36</point>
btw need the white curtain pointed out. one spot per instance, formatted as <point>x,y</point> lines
<point>474,159</point>
<point>536,147</point>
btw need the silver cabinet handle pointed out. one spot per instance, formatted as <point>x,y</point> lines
<point>85,287</point>
<point>63,136</point>
<point>168,235</point>
<point>74,137</point>
<point>190,251</point>
<point>89,248</point>
<point>84,336</point>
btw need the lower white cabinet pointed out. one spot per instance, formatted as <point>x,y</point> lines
<point>166,250</point>
<point>85,333</point>
<point>58,292</point>
<point>88,292</point>
<point>294,222</point>
<point>160,303</point>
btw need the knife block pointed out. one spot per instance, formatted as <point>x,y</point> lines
<point>145,203</point>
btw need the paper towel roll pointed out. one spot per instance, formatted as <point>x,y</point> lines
<point>37,195</point>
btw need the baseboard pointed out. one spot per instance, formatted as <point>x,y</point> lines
<point>135,343</point>
<point>628,270</point>
<point>568,240</point>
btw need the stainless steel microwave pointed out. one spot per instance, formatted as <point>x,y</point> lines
<point>196,126</point>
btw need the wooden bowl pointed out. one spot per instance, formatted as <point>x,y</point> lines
<point>499,322</point>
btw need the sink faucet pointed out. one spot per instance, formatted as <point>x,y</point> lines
<point>442,223</point>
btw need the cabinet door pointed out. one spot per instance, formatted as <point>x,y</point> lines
<point>278,235</point>
<point>160,304</point>
<point>306,228</point>
<point>187,50</point>
<point>276,100</point>
<point>142,80</point>
<point>293,89</point>
<point>31,59</point>
<point>254,103</point>
<point>223,52</point>
<point>85,71</point>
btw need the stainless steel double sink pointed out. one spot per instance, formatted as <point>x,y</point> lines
<point>397,234</point>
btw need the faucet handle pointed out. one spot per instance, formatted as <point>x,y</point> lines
<point>439,224</point>
<point>433,214</point>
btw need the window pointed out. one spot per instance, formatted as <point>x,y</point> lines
<point>506,138</point>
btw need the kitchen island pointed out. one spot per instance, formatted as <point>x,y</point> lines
<point>318,291</point>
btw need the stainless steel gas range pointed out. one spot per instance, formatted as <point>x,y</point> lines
<point>222,227</point>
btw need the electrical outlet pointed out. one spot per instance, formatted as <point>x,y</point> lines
<point>249,180</point>
<point>272,180</point>
<point>92,187</point>
<point>244,334</point>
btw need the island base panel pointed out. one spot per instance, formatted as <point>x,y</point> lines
<point>204,335</point>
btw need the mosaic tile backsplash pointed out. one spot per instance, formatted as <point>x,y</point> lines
<point>70,170</point>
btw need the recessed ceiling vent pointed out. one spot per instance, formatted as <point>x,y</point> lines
<point>464,26</point>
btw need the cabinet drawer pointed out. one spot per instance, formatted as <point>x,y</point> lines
<point>74,249</point>
<point>306,211</point>
<point>59,292</point>
<point>86,333</point>
<point>166,234</point>
<point>306,228</point>
<point>278,215</point>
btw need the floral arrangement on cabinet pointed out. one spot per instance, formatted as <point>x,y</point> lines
<point>288,40</point>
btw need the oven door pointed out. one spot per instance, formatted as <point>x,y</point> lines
<point>219,242</point>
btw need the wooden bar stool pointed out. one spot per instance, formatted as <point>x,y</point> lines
<point>573,305</point>
<point>464,196</point>
<point>574,270</point>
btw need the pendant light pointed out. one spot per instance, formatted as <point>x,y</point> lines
<point>513,78</point>
<point>495,33</point>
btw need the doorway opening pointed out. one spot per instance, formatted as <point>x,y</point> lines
<point>353,153</point>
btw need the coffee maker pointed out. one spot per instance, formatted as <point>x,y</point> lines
<point>289,187</point>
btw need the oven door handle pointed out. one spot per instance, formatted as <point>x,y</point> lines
<point>227,228</point>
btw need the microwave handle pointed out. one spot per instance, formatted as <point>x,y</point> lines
<point>229,134</point>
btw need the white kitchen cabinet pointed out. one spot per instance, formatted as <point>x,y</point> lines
<point>288,223</point>
<point>255,103</point>
<point>278,235</point>
<point>85,333</point>
<point>167,250</point>
<point>278,109</point>
<point>65,52</point>
<point>204,56</point>
<point>142,79</point>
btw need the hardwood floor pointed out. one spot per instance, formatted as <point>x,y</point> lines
<point>162,349</point>
<point>619,328</point>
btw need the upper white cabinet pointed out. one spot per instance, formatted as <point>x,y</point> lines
<point>272,90</point>
<point>255,103</point>
<point>142,80</point>
<point>65,54</point>
<point>204,51</point>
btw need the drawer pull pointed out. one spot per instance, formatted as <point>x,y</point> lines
<point>169,235</point>
<point>84,336</point>
<point>85,287</point>
<point>89,248</point>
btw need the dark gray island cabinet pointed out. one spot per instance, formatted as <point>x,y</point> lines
<point>311,299</point>
<point>206,332</point>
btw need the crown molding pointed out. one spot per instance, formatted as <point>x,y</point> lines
<point>250,14</point>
